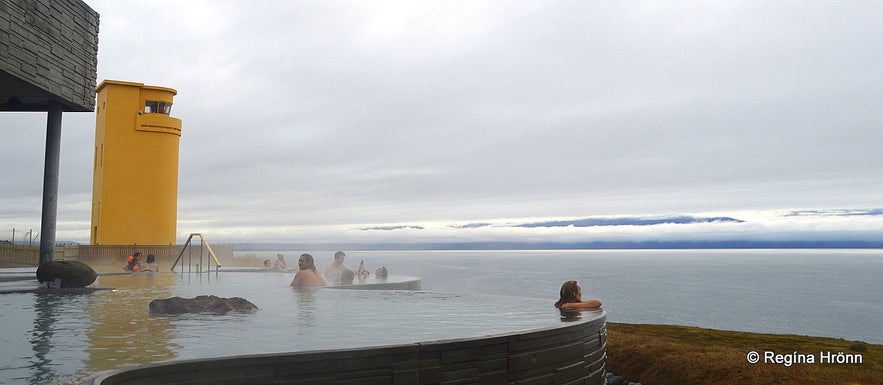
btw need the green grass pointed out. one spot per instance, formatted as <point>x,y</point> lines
<point>669,355</point>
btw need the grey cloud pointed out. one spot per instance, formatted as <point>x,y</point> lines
<point>338,113</point>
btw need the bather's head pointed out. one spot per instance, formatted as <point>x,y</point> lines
<point>346,277</point>
<point>305,262</point>
<point>339,258</point>
<point>381,272</point>
<point>570,292</point>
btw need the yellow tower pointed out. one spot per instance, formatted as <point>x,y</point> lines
<point>135,183</point>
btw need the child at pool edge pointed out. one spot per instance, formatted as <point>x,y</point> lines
<point>133,263</point>
<point>151,263</point>
<point>572,298</point>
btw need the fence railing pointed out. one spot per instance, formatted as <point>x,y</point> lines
<point>19,254</point>
<point>98,255</point>
<point>117,254</point>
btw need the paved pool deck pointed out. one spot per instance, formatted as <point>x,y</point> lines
<point>15,282</point>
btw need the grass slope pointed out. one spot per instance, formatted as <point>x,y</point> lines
<point>680,355</point>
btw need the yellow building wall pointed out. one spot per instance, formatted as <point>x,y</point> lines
<point>135,182</point>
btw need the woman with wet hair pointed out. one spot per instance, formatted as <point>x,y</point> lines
<point>381,273</point>
<point>572,298</point>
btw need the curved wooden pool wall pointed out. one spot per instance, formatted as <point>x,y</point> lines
<point>572,353</point>
<point>394,283</point>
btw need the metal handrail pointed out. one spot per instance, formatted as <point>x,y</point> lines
<point>203,242</point>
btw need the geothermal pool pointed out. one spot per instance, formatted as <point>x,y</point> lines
<point>63,338</point>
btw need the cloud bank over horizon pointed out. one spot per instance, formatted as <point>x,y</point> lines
<point>846,225</point>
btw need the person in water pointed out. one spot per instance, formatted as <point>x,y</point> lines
<point>280,262</point>
<point>134,262</point>
<point>363,272</point>
<point>572,298</point>
<point>381,273</point>
<point>307,276</point>
<point>346,277</point>
<point>151,263</point>
<point>334,269</point>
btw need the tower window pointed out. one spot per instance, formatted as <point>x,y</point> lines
<point>154,107</point>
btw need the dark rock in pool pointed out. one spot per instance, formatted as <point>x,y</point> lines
<point>201,304</point>
<point>71,273</point>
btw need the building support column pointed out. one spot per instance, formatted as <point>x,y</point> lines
<point>50,182</point>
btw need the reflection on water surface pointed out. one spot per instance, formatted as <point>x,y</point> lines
<point>68,337</point>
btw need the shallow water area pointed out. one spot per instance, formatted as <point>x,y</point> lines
<point>62,338</point>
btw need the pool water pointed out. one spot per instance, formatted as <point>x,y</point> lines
<point>49,338</point>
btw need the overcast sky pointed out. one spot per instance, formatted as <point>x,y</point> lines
<point>310,121</point>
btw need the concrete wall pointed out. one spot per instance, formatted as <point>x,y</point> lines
<point>53,46</point>
<point>569,353</point>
